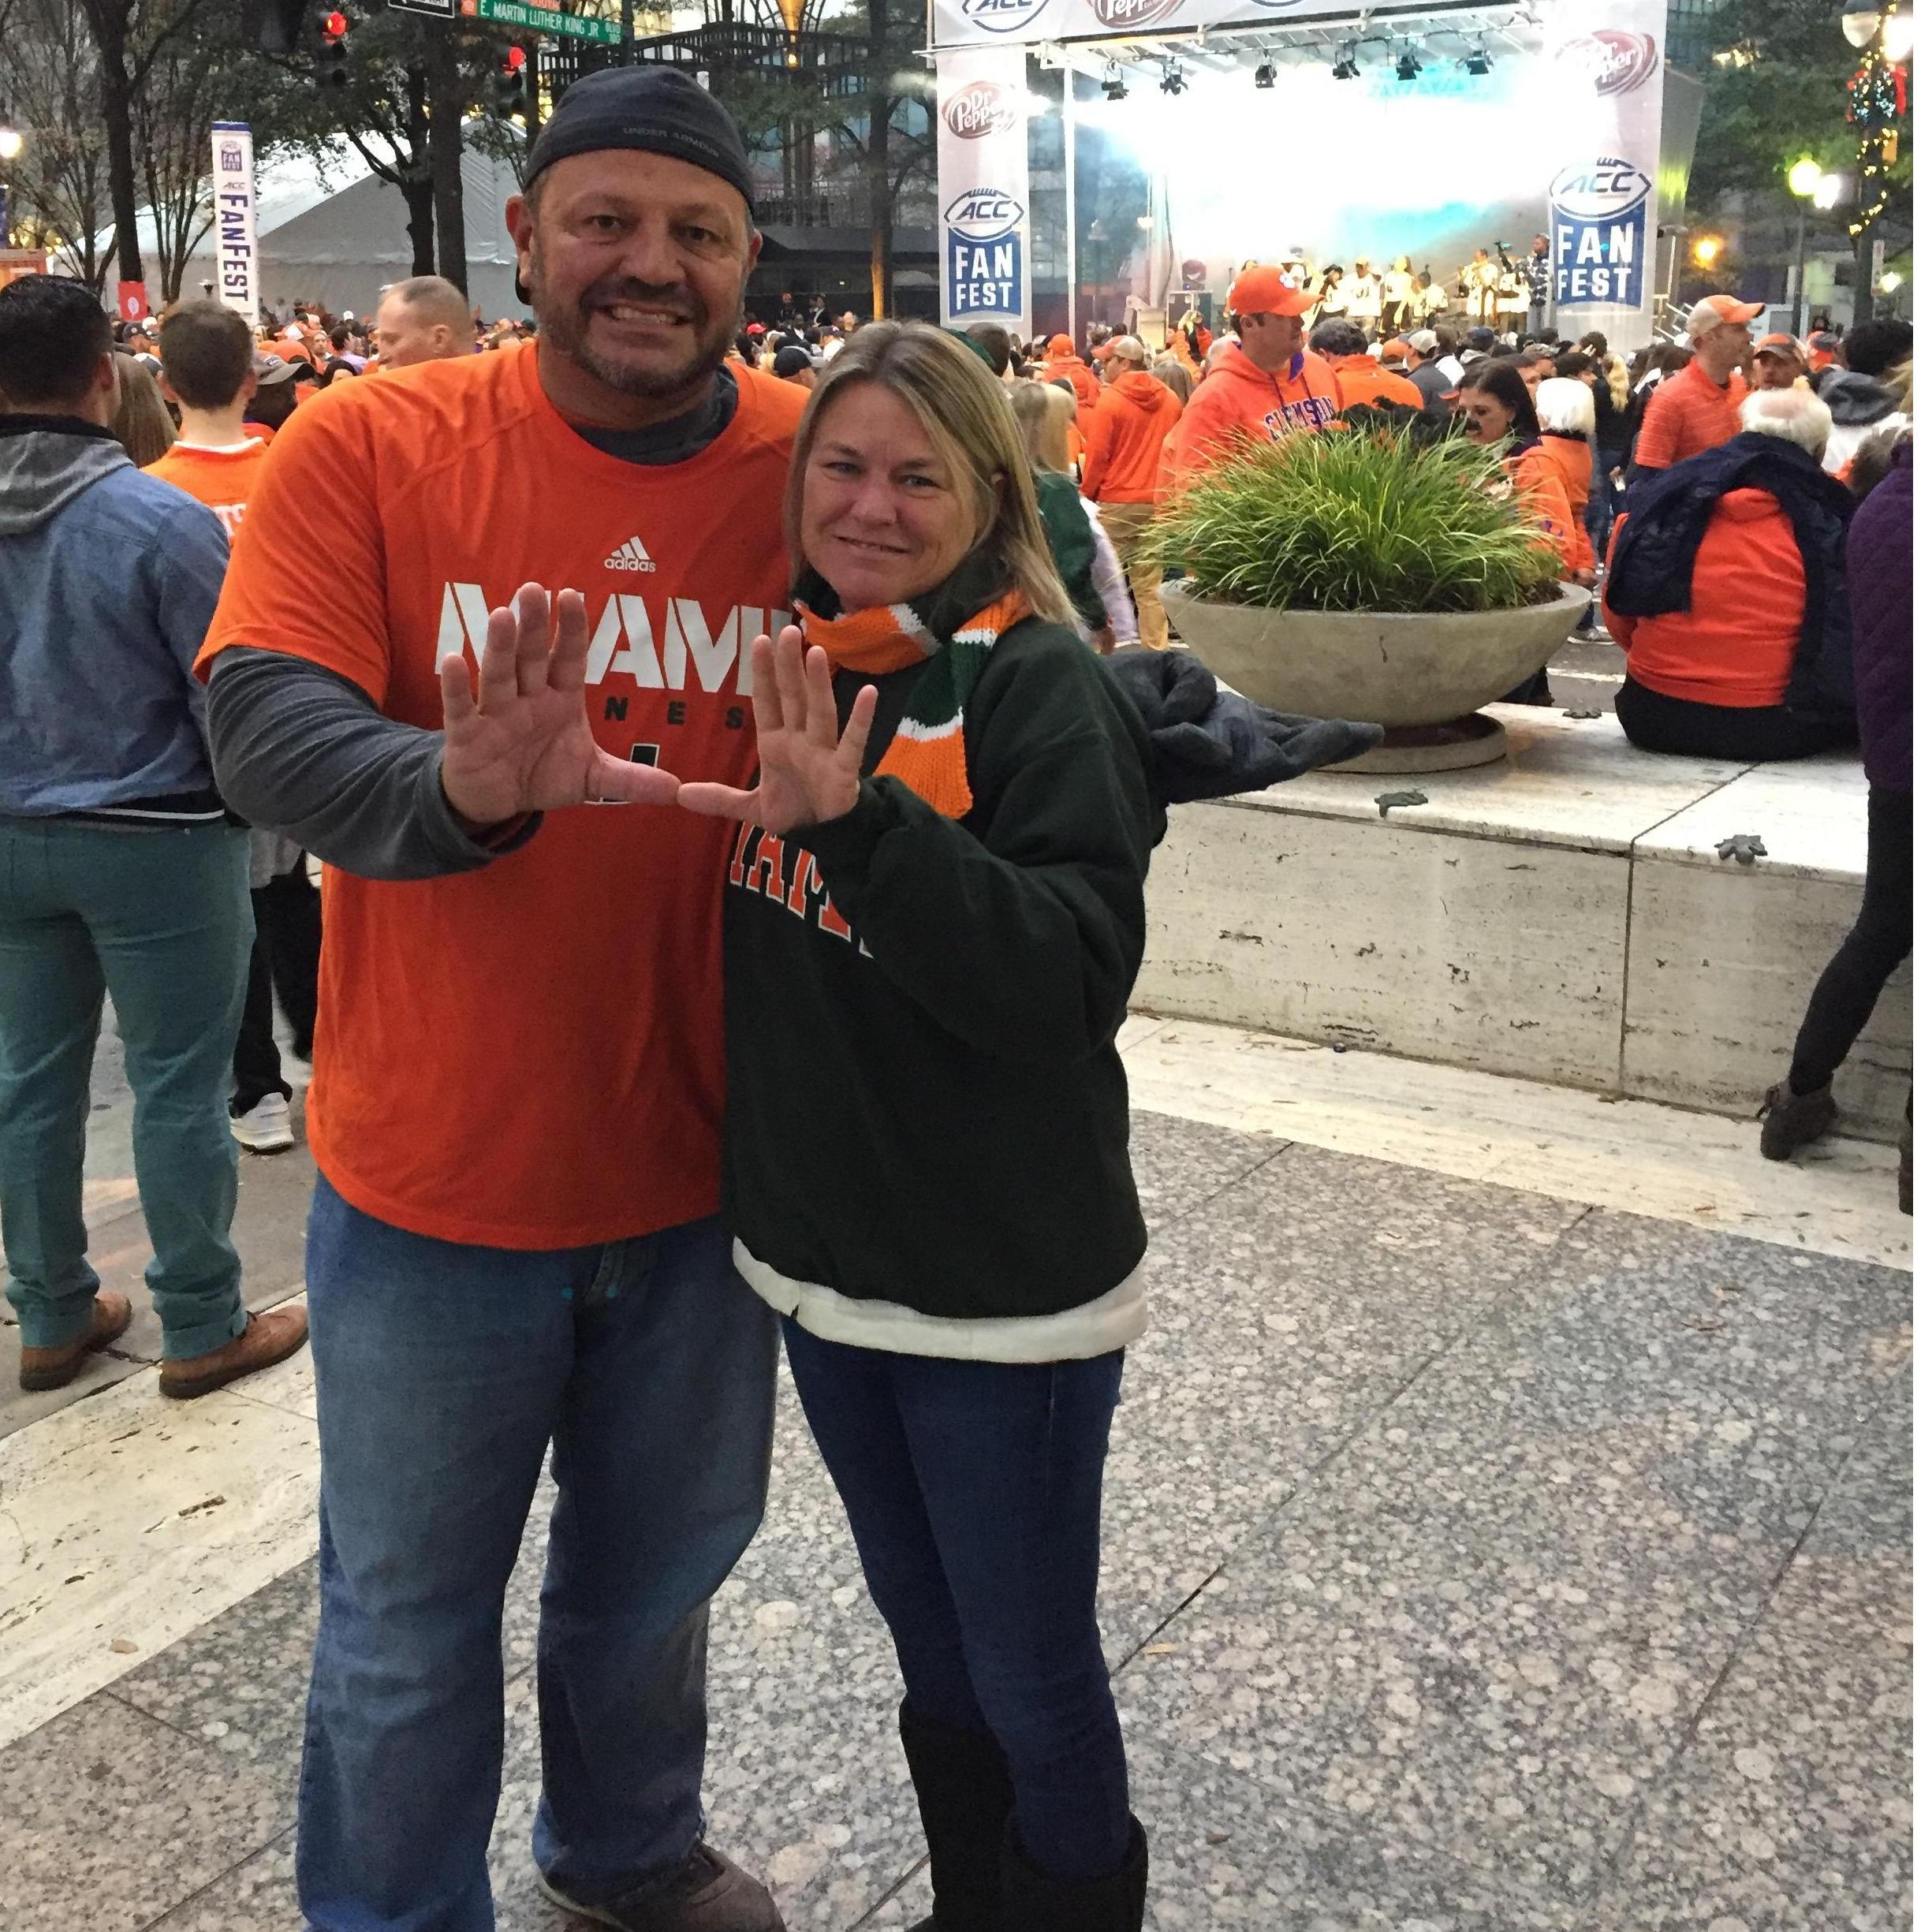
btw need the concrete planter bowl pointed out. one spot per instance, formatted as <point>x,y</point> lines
<point>1424,677</point>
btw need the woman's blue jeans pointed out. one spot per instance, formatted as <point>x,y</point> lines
<point>442,1373</point>
<point>973,1490</point>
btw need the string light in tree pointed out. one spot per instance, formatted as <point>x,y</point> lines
<point>1877,103</point>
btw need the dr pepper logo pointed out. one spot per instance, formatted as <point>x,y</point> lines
<point>980,108</point>
<point>1615,61</point>
<point>1132,15</point>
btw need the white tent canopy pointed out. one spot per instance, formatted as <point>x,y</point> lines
<point>335,232</point>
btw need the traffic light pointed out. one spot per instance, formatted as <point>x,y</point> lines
<point>332,56</point>
<point>511,101</point>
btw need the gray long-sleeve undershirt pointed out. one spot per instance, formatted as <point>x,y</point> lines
<point>301,751</point>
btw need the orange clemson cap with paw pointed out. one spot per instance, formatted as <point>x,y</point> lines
<point>1267,292</point>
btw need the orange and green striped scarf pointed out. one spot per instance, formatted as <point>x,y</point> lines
<point>928,754</point>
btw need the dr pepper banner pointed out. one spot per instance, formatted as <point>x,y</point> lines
<point>983,273</point>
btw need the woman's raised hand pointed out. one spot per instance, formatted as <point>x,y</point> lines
<point>521,740</point>
<point>807,768</point>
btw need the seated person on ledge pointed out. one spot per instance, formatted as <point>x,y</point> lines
<point>1727,590</point>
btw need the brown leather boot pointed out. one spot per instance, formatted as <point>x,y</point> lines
<point>54,1368</point>
<point>268,1339</point>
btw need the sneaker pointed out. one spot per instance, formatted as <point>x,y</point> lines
<point>1596,634</point>
<point>265,1127</point>
<point>707,1893</point>
<point>54,1368</point>
<point>268,1339</point>
<point>1793,1121</point>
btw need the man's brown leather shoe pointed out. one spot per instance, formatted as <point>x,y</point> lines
<point>268,1339</point>
<point>54,1368</point>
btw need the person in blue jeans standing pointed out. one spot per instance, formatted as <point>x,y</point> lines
<point>120,873</point>
<point>934,917</point>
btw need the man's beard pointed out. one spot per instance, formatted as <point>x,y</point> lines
<point>566,327</point>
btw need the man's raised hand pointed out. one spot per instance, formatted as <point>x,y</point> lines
<point>520,740</point>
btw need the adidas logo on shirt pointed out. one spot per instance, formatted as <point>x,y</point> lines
<point>631,556</point>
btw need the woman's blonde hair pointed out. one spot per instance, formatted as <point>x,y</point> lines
<point>141,425</point>
<point>962,407</point>
<point>1045,412</point>
<point>1176,375</point>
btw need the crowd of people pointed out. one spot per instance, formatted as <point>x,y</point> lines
<point>806,1040</point>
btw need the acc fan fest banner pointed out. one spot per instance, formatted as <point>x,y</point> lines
<point>1603,201</point>
<point>237,279</point>
<point>983,271</point>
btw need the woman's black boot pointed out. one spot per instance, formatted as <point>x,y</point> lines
<point>1037,1903</point>
<point>965,1798</point>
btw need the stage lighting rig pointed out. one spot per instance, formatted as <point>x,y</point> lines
<point>1173,79</point>
<point>1345,68</point>
<point>1409,68</point>
<point>1112,87</point>
<point>1264,75</point>
<point>1477,61</point>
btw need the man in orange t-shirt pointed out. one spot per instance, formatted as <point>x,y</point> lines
<point>1696,409</point>
<point>519,1069</point>
<point>207,369</point>
<point>1360,376</point>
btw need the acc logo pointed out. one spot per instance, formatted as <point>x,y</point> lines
<point>1000,17</point>
<point>1615,61</point>
<point>1131,13</point>
<point>1599,190</point>
<point>980,108</point>
<point>984,214</point>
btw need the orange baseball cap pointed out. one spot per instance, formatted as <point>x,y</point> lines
<point>1267,292</point>
<point>1061,345</point>
<point>1784,345</point>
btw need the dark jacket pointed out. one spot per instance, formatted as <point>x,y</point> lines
<point>1878,557</point>
<point>925,1102</point>
<point>1651,565</point>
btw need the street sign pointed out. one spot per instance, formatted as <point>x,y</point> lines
<point>436,9</point>
<point>542,20</point>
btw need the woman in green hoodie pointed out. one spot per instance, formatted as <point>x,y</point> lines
<point>934,919</point>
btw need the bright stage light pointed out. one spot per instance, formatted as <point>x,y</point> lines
<point>1173,79</point>
<point>1409,68</point>
<point>1478,63</point>
<point>1345,68</point>
<point>1114,87</point>
<point>1264,75</point>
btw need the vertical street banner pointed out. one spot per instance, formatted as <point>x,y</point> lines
<point>983,242</point>
<point>238,277</point>
<point>1604,200</point>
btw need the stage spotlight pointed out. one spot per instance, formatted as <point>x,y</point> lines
<point>1478,61</point>
<point>1345,68</point>
<point>1264,74</point>
<point>1409,68</point>
<point>1114,87</point>
<point>1172,80</point>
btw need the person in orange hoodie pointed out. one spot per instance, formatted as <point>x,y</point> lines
<point>1062,364</point>
<point>1136,412</point>
<point>1360,376</point>
<point>1260,390</point>
<point>1567,411</point>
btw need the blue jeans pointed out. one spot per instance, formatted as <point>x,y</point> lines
<point>442,1371</point>
<point>973,1490</point>
<point>160,920</point>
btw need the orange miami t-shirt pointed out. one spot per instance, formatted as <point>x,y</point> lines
<point>221,478</point>
<point>529,1056</point>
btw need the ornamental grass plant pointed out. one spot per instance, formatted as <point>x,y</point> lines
<point>1357,518</point>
